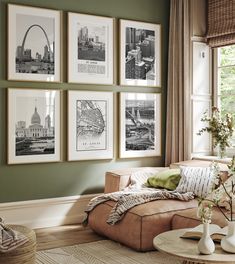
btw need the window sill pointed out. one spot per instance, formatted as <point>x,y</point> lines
<point>213,158</point>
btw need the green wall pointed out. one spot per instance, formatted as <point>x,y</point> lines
<point>36,181</point>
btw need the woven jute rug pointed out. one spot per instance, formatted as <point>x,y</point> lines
<point>101,252</point>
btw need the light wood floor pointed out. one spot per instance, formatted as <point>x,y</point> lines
<point>62,236</point>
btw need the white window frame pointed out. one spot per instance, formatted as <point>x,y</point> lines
<point>231,150</point>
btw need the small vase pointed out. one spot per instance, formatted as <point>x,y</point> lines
<point>228,242</point>
<point>221,151</point>
<point>206,245</point>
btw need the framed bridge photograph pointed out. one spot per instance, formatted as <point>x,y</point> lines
<point>140,125</point>
<point>33,125</point>
<point>90,49</point>
<point>90,125</point>
<point>34,44</point>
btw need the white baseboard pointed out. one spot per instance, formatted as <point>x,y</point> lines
<point>46,212</point>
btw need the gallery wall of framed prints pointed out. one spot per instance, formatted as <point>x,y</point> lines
<point>33,126</point>
<point>34,44</point>
<point>34,115</point>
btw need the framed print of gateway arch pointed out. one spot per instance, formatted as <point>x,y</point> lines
<point>140,53</point>
<point>34,44</point>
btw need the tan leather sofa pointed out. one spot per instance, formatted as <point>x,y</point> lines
<point>143,222</point>
<point>189,219</point>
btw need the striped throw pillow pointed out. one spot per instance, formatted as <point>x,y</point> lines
<point>198,180</point>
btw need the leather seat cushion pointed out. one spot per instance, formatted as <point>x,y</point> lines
<point>140,224</point>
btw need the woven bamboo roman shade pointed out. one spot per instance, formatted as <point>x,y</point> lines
<point>221,23</point>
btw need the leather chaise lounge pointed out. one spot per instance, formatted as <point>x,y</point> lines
<point>143,222</point>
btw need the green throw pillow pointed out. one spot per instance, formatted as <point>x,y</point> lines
<point>167,179</point>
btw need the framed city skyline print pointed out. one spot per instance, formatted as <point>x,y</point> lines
<point>34,44</point>
<point>90,125</point>
<point>33,125</point>
<point>140,125</point>
<point>90,49</point>
<point>140,53</point>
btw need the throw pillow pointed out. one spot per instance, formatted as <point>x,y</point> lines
<point>139,178</point>
<point>167,179</point>
<point>198,180</point>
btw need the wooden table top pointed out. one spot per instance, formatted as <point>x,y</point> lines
<point>186,249</point>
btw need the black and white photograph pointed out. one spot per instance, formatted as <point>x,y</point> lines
<point>36,119</point>
<point>91,42</point>
<point>140,125</point>
<point>140,53</point>
<point>90,125</point>
<point>36,44</point>
<point>140,57</point>
<point>90,45</point>
<point>35,51</point>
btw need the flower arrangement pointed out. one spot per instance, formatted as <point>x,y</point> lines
<point>221,192</point>
<point>220,128</point>
<point>205,212</point>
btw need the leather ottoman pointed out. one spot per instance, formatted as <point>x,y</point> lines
<point>140,224</point>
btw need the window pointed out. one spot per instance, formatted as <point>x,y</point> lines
<point>225,81</point>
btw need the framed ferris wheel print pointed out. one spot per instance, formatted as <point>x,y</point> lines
<point>90,125</point>
<point>34,44</point>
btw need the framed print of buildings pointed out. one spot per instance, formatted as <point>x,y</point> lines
<point>140,53</point>
<point>34,44</point>
<point>90,49</point>
<point>33,125</point>
<point>90,125</point>
<point>140,125</point>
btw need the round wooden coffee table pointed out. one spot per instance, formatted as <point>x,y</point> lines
<point>186,249</point>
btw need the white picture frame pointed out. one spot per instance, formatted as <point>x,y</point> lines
<point>34,134</point>
<point>140,53</point>
<point>90,49</point>
<point>34,44</point>
<point>90,125</point>
<point>140,125</point>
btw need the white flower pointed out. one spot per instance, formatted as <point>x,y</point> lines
<point>205,212</point>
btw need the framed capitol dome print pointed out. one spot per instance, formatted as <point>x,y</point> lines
<point>33,126</point>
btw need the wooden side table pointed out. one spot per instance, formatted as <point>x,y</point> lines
<point>24,254</point>
<point>186,249</point>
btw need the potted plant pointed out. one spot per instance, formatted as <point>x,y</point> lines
<point>221,129</point>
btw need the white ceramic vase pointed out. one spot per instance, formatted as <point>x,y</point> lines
<point>228,242</point>
<point>206,245</point>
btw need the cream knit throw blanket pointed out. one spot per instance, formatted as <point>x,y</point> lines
<point>126,200</point>
<point>9,238</point>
